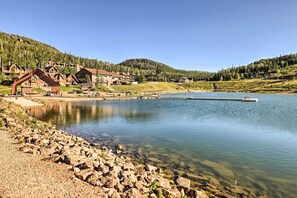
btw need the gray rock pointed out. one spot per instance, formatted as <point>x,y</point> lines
<point>120,187</point>
<point>143,187</point>
<point>102,168</point>
<point>115,171</point>
<point>150,168</point>
<point>111,182</point>
<point>128,166</point>
<point>164,183</point>
<point>84,174</point>
<point>119,147</point>
<point>171,193</point>
<point>84,164</point>
<point>76,170</point>
<point>103,180</point>
<point>128,178</point>
<point>94,179</point>
<point>133,192</point>
<point>153,195</point>
<point>115,195</point>
<point>197,194</point>
<point>46,151</point>
<point>183,182</point>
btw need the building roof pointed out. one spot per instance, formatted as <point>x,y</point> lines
<point>54,76</point>
<point>99,71</point>
<point>73,77</point>
<point>15,65</point>
<point>115,75</point>
<point>47,68</point>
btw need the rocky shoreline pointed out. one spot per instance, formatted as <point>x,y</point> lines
<point>92,163</point>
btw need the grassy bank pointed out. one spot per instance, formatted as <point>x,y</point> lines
<point>5,89</point>
<point>253,86</point>
<point>148,87</point>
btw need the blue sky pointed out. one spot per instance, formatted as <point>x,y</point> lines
<point>189,34</point>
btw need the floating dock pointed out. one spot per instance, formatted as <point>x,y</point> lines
<point>245,99</point>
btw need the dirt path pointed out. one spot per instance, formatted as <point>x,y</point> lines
<point>26,175</point>
<point>22,101</point>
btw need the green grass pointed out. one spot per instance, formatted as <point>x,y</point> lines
<point>200,85</point>
<point>5,91</point>
<point>37,89</point>
<point>68,89</point>
<point>4,87</point>
<point>257,86</point>
<point>146,87</point>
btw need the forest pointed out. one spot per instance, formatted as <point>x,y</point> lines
<point>259,69</point>
<point>27,52</point>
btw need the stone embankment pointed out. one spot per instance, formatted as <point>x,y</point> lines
<point>115,174</point>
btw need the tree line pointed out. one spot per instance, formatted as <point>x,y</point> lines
<point>31,53</point>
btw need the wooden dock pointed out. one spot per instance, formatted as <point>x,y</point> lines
<point>245,99</point>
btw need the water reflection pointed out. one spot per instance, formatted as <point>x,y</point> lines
<point>78,113</point>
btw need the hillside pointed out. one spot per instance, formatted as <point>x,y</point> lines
<point>161,72</point>
<point>29,53</point>
<point>261,69</point>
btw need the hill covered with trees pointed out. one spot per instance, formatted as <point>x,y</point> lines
<point>260,69</point>
<point>31,53</point>
<point>161,72</point>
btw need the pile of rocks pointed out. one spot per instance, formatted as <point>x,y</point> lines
<point>115,174</point>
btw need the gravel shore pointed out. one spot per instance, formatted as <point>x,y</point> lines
<point>54,163</point>
<point>24,175</point>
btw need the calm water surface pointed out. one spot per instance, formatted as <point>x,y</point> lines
<point>252,145</point>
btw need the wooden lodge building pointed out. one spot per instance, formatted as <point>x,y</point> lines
<point>94,75</point>
<point>36,78</point>
<point>13,71</point>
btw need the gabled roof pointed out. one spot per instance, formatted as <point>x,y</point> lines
<point>48,68</point>
<point>54,76</point>
<point>14,65</point>
<point>71,75</point>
